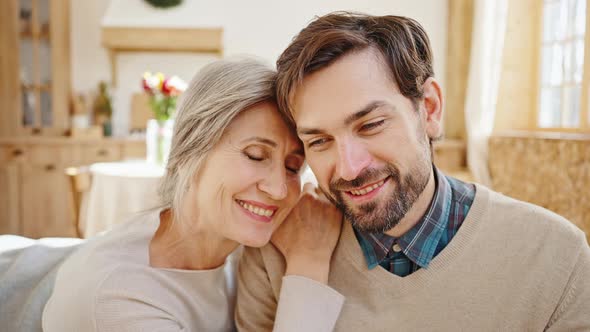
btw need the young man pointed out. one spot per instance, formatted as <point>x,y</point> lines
<point>419,251</point>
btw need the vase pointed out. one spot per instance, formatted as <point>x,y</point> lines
<point>158,140</point>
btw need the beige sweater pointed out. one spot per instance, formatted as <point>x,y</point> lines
<point>108,285</point>
<point>511,267</point>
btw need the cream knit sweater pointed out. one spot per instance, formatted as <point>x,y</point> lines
<point>108,285</point>
<point>512,266</point>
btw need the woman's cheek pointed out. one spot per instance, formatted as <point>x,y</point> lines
<point>246,170</point>
<point>294,189</point>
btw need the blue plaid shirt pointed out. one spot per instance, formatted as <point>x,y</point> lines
<point>417,247</point>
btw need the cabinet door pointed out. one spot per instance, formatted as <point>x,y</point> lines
<point>10,101</point>
<point>35,67</point>
<point>9,199</point>
<point>47,201</point>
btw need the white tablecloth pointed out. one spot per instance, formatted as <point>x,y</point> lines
<point>118,191</point>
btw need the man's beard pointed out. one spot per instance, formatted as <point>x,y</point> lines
<point>379,217</point>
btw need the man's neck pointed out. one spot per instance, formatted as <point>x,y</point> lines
<point>417,211</point>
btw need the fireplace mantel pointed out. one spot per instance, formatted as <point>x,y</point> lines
<point>162,39</point>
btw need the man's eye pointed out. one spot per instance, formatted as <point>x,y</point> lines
<point>372,125</point>
<point>317,142</point>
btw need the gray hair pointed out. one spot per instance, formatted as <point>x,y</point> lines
<point>217,93</point>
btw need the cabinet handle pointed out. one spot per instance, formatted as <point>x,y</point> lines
<point>50,167</point>
<point>102,152</point>
<point>17,152</point>
<point>36,131</point>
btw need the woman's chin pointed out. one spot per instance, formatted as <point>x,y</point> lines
<point>255,240</point>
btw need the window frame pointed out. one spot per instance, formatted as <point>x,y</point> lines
<point>584,126</point>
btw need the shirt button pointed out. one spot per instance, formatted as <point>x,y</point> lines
<point>396,248</point>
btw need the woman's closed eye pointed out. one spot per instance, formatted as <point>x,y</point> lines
<point>253,157</point>
<point>292,169</point>
<point>294,164</point>
<point>259,154</point>
<point>255,153</point>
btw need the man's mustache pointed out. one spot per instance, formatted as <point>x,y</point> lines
<point>366,177</point>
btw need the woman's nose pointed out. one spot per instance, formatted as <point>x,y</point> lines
<point>275,184</point>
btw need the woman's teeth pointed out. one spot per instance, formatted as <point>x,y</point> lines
<point>368,189</point>
<point>256,209</point>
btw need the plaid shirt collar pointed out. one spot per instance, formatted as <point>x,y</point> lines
<point>420,242</point>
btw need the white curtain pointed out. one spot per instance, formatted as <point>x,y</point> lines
<point>489,26</point>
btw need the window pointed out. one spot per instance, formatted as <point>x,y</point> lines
<point>562,65</point>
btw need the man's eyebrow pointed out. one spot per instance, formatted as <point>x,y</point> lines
<point>363,112</point>
<point>261,140</point>
<point>350,119</point>
<point>309,131</point>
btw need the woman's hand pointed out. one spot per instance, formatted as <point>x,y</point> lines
<point>309,235</point>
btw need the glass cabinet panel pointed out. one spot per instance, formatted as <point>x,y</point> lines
<point>35,62</point>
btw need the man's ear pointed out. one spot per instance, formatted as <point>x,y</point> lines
<point>433,105</point>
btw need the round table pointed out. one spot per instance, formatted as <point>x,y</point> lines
<point>119,190</point>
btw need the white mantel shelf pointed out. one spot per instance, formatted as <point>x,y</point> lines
<point>160,39</point>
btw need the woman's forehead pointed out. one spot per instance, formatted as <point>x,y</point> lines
<point>263,121</point>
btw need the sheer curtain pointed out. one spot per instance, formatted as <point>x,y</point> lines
<point>489,26</point>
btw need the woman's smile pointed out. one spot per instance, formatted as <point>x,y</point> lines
<point>257,210</point>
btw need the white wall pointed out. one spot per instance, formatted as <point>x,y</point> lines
<point>260,27</point>
<point>90,63</point>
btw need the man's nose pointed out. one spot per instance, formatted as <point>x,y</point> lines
<point>353,158</point>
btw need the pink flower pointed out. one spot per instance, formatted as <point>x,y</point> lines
<point>145,86</point>
<point>173,86</point>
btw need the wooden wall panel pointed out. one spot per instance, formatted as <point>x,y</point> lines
<point>460,27</point>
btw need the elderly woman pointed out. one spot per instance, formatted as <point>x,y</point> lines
<point>233,177</point>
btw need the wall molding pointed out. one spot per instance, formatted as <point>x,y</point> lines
<point>149,39</point>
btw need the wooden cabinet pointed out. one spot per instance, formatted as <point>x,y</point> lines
<point>46,201</point>
<point>9,199</point>
<point>35,67</point>
<point>35,89</point>
<point>102,152</point>
<point>11,157</point>
<point>36,199</point>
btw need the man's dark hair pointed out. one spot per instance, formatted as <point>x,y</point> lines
<point>402,41</point>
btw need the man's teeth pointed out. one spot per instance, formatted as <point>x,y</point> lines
<point>368,189</point>
<point>256,209</point>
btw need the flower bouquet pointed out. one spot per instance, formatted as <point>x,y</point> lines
<point>163,93</point>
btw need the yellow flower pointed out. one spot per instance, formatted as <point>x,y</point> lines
<point>161,79</point>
